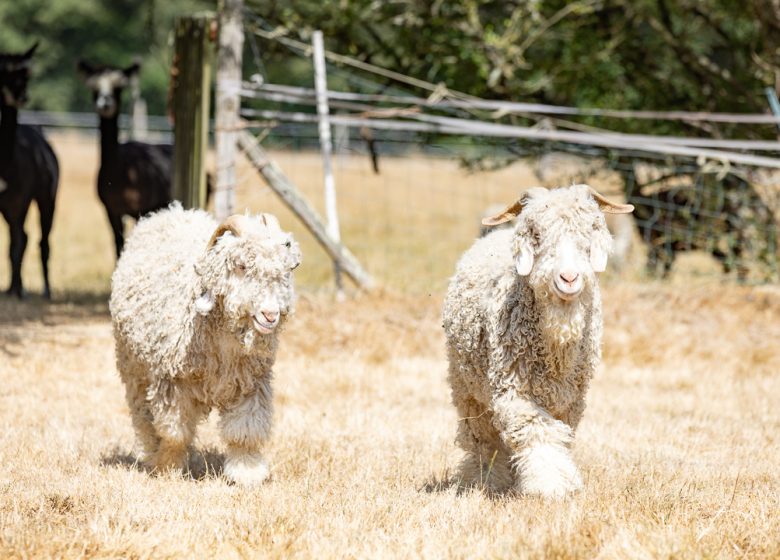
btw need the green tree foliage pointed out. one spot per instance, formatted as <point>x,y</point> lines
<point>111,32</point>
<point>709,55</point>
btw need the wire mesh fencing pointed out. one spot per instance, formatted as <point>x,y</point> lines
<point>415,174</point>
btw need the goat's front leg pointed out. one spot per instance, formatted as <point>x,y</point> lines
<point>245,428</point>
<point>175,417</point>
<point>539,445</point>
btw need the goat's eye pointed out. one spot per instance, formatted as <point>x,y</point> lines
<point>288,244</point>
<point>239,267</point>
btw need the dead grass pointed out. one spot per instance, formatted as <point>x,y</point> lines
<point>679,446</point>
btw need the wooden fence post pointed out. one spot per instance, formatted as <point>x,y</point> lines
<point>326,147</point>
<point>139,125</point>
<point>192,73</point>
<point>228,103</point>
<point>295,201</point>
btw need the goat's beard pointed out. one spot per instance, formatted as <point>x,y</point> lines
<point>562,322</point>
<point>248,338</point>
<point>240,326</point>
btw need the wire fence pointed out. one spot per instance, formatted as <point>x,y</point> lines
<point>414,175</point>
<point>712,198</point>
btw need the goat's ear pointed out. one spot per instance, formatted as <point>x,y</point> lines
<point>524,260</point>
<point>84,68</point>
<point>30,51</point>
<point>295,255</point>
<point>204,303</point>
<point>600,248</point>
<point>598,257</point>
<point>132,69</point>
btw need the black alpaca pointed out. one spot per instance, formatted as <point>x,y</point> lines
<point>134,178</point>
<point>28,169</point>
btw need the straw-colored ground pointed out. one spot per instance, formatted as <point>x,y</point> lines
<point>679,446</point>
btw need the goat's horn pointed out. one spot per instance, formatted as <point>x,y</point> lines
<point>609,207</point>
<point>509,213</point>
<point>233,224</point>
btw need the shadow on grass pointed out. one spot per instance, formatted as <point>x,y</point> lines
<point>444,483</point>
<point>66,306</point>
<point>202,464</point>
<point>435,484</point>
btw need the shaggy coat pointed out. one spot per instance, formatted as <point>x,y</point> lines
<point>197,308</point>
<point>521,350</point>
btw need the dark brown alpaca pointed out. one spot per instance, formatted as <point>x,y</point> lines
<point>28,169</point>
<point>134,177</point>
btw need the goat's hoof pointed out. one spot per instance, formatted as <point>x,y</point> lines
<point>246,469</point>
<point>549,472</point>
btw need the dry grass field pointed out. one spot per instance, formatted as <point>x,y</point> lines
<point>679,447</point>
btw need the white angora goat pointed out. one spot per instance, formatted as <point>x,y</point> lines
<point>523,323</point>
<point>197,307</point>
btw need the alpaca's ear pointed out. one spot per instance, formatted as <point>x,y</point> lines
<point>205,303</point>
<point>131,70</point>
<point>85,69</point>
<point>30,51</point>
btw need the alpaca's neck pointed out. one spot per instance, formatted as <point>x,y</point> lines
<point>8,124</point>
<point>109,138</point>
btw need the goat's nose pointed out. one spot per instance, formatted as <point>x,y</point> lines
<point>569,277</point>
<point>270,316</point>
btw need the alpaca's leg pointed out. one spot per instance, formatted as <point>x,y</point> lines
<point>16,250</point>
<point>540,447</point>
<point>245,428</point>
<point>46,209</point>
<point>115,220</point>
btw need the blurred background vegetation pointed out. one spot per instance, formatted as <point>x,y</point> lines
<point>709,55</point>
<point>111,32</point>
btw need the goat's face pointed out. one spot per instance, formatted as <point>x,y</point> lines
<point>248,270</point>
<point>106,84</point>
<point>14,75</point>
<point>561,239</point>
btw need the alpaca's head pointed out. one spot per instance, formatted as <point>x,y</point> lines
<point>14,75</point>
<point>106,83</point>
<point>247,275</point>
<point>561,239</point>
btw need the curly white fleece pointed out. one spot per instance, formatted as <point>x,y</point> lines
<point>520,358</point>
<point>185,342</point>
